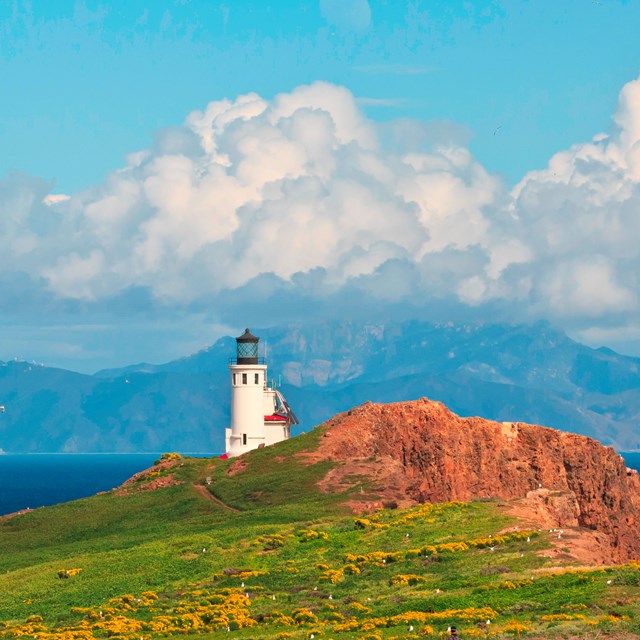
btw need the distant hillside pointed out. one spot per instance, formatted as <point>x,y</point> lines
<point>529,373</point>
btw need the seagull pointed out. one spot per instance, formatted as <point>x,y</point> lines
<point>204,549</point>
<point>497,129</point>
<point>488,622</point>
<point>491,548</point>
<point>609,581</point>
<point>242,585</point>
<point>315,588</point>
<point>330,597</point>
<point>437,590</point>
<point>528,539</point>
<point>273,597</point>
<point>410,627</point>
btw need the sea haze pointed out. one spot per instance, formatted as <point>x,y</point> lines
<point>39,480</point>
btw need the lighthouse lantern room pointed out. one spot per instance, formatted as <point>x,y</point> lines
<point>260,415</point>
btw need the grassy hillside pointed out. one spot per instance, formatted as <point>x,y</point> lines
<point>258,552</point>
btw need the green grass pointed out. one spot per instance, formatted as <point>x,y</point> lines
<point>154,541</point>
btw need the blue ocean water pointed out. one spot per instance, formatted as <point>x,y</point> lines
<point>38,480</point>
<point>31,481</point>
<point>632,460</point>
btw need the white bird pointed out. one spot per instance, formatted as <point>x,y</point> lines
<point>384,561</point>
<point>246,594</point>
<point>437,590</point>
<point>242,585</point>
<point>228,628</point>
<point>609,581</point>
<point>204,549</point>
<point>330,597</point>
<point>1,408</point>
<point>488,621</point>
<point>406,535</point>
<point>312,636</point>
<point>491,548</point>
<point>410,627</point>
<point>315,588</point>
<point>273,597</point>
<point>528,539</point>
<point>448,628</point>
<point>522,555</point>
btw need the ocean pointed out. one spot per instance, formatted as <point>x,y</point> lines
<point>38,480</point>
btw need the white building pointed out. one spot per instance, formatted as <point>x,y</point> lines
<point>260,415</point>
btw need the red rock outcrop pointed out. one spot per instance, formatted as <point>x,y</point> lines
<point>424,452</point>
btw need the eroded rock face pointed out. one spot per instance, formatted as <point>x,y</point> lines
<point>430,454</point>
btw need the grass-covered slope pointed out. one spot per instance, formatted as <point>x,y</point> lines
<point>250,547</point>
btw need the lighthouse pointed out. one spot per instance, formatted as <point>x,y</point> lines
<point>260,415</point>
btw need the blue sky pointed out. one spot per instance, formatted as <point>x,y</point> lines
<point>447,115</point>
<point>85,83</point>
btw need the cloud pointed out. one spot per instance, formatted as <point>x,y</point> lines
<point>347,15</point>
<point>302,198</point>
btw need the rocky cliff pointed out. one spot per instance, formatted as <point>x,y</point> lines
<point>420,451</point>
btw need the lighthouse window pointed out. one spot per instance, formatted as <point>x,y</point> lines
<point>257,375</point>
<point>244,378</point>
<point>244,439</point>
<point>234,378</point>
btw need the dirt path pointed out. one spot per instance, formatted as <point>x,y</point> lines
<point>202,490</point>
<point>8,516</point>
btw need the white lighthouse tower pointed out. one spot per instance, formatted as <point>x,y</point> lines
<point>260,415</point>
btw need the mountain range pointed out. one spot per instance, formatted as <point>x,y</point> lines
<point>529,373</point>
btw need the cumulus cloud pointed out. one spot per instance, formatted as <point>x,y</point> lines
<point>303,195</point>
